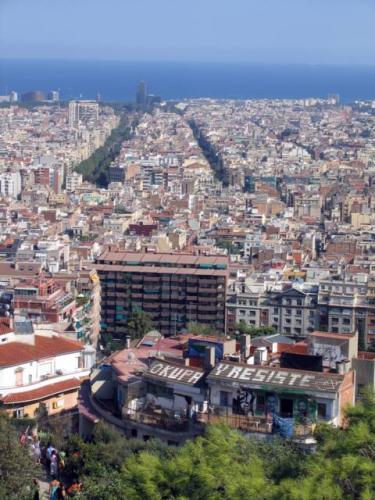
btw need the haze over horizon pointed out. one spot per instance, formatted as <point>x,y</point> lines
<point>245,31</point>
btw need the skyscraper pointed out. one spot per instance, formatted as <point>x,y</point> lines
<point>53,96</point>
<point>141,95</point>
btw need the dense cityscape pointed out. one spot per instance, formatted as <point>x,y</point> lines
<point>216,267</point>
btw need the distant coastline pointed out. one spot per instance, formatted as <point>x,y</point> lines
<point>116,80</point>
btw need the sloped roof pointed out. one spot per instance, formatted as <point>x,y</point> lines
<point>16,353</point>
<point>42,392</point>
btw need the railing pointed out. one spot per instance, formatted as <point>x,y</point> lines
<point>163,421</point>
<point>242,422</point>
<point>259,424</point>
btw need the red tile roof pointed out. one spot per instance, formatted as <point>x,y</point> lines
<point>42,392</point>
<point>16,353</point>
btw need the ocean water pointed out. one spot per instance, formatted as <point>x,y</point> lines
<point>116,80</point>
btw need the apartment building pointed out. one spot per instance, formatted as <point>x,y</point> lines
<point>73,181</point>
<point>40,368</point>
<point>10,184</point>
<point>343,306</point>
<point>43,300</point>
<point>83,111</point>
<point>174,289</point>
<point>292,312</point>
<point>245,304</point>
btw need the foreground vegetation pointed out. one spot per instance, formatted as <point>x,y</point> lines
<point>223,464</point>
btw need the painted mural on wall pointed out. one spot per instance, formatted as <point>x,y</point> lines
<point>304,410</point>
<point>243,403</point>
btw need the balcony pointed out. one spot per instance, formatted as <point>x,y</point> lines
<point>256,424</point>
<point>241,422</point>
<point>159,418</point>
<point>207,308</point>
<point>212,291</point>
<point>167,427</point>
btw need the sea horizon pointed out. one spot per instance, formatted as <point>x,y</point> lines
<point>116,80</point>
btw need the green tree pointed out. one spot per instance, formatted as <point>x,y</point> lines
<point>227,245</point>
<point>96,168</point>
<point>254,331</point>
<point>17,468</point>
<point>213,467</point>
<point>138,324</point>
<point>224,464</point>
<point>199,328</point>
<point>344,465</point>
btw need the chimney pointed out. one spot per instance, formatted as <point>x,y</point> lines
<point>127,342</point>
<point>340,367</point>
<point>209,358</point>
<point>245,343</point>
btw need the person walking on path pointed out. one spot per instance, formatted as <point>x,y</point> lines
<point>54,466</point>
<point>53,489</point>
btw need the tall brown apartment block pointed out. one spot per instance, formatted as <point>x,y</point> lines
<point>174,289</point>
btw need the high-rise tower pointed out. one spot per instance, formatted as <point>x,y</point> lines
<point>141,95</point>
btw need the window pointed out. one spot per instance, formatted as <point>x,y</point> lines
<point>252,313</point>
<point>335,320</point>
<point>242,311</point>
<point>261,402</point>
<point>299,312</point>
<point>346,321</point>
<point>288,311</point>
<point>224,398</point>
<point>19,376</point>
<point>286,407</point>
<point>299,302</point>
<point>18,413</point>
<point>322,410</point>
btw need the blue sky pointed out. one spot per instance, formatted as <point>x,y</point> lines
<point>253,31</point>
